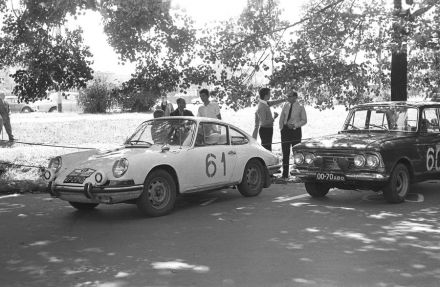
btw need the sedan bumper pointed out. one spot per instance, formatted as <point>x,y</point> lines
<point>95,194</point>
<point>359,176</point>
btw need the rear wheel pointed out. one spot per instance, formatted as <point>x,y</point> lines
<point>398,186</point>
<point>53,109</point>
<point>83,206</point>
<point>316,189</point>
<point>26,110</point>
<point>159,195</point>
<point>253,179</point>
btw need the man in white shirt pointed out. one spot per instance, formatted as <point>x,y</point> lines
<point>208,109</point>
<point>293,117</point>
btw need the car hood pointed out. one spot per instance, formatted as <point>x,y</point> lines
<point>106,158</point>
<point>357,141</point>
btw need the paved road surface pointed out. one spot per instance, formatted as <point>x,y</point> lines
<point>280,238</point>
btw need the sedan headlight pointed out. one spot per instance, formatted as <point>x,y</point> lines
<point>120,167</point>
<point>309,158</point>
<point>372,161</point>
<point>359,161</point>
<point>298,158</point>
<point>55,163</point>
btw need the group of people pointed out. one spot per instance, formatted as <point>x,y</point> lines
<point>293,117</point>
<point>208,109</point>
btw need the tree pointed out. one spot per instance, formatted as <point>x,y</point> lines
<point>401,32</point>
<point>47,57</point>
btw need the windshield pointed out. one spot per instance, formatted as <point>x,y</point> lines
<point>163,131</point>
<point>388,118</point>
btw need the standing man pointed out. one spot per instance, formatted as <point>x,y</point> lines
<point>264,119</point>
<point>181,109</point>
<point>293,117</point>
<point>208,109</point>
<point>166,107</point>
<point>4,117</point>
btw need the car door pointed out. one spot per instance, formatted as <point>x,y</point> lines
<point>428,144</point>
<point>211,162</point>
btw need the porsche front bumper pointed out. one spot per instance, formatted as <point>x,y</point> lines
<point>89,193</point>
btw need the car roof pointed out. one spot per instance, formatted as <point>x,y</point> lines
<point>414,104</point>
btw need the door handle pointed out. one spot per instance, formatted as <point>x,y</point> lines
<point>231,152</point>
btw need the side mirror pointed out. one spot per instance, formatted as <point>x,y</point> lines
<point>165,148</point>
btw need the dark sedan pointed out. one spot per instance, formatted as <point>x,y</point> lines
<point>383,146</point>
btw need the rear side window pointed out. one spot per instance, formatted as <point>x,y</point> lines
<point>238,138</point>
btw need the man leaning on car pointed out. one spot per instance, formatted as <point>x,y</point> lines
<point>4,117</point>
<point>293,117</point>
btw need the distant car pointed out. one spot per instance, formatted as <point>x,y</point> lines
<point>69,103</point>
<point>163,158</point>
<point>196,101</point>
<point>383,146</point>
<point>22,107</point>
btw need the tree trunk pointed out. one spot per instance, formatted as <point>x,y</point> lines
<point>399,76</point>
<point>399,61</point>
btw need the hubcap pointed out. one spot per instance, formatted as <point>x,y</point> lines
<point>401,183</point>
<point>253,177</point>
<point>159,193</point>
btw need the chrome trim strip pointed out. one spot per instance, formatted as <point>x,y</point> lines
<point>98,189</point>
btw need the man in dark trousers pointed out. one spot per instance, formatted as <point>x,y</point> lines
<point>181,109</point>
<point>4,117</point>
<point>293,117</point>
<point>264,119</point>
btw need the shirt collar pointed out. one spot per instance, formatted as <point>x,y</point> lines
<point>263,102</point>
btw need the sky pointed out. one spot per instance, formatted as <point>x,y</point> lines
<point>202,11</point>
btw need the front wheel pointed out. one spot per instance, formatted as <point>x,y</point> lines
<point>83,206</point>
<point>253,179</point>
<point>159,194</point>
<point>316,189</point>
<point>26,110</point>
<point>398,186</point>
<point>53,109</point>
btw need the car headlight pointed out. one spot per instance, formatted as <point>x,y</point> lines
<point>309,158</point>
<point>56,163</point>
<point>372,160</point>
<point>298,158</point>
<point>120,167</point>
<point>359,160</point>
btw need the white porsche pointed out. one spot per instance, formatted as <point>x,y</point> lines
<point>163,158</point>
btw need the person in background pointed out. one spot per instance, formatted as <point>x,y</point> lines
<point>293,117</point>
<point>181,109</point>
<point>4,117</point>
<point>166,107</point>
<point>264,119</point>
<point>208,109</point>
<point>158,113</point>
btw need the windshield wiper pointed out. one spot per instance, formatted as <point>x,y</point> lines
<point>377,126</point>
<point>149,144</point>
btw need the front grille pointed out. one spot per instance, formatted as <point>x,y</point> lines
<point>331,162</point>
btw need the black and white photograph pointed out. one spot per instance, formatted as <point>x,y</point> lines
<point>219,143</point>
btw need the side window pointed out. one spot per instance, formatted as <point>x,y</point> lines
<point>237,138</point>
<point>430,120</point>
<point>211,134</point>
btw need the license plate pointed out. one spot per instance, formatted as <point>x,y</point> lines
<point>324,176</point>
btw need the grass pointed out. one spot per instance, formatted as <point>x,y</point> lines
<point>109,130</point>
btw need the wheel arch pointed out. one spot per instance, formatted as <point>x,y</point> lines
<point>171,171</point>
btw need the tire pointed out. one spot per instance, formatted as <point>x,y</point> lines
<point>316,189</point>
<point>398,186</point>
<point>26,110</point>
<point>83,206</point>
<point>253,179</point>
<point>159,195</point>
<point>53,109</point>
